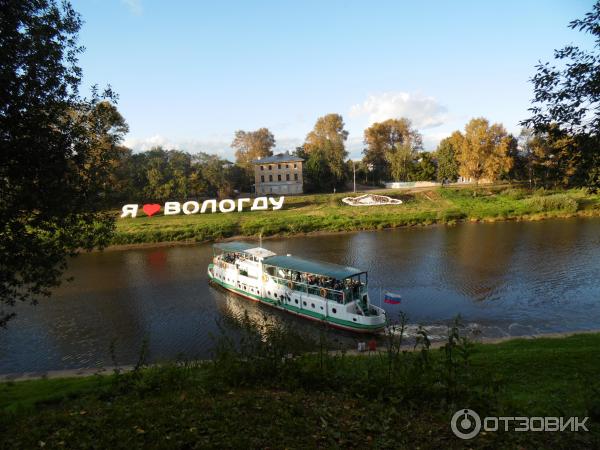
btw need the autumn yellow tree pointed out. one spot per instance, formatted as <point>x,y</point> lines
<point>251,145</point>
<point>388,143</point>
<point>482,151</point>
<point>325,146</point>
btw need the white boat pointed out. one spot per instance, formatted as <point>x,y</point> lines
<point>334,294</point>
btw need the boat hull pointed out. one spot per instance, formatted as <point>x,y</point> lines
<point>334,323</point>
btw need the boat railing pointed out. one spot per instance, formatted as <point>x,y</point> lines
<point>219,262</point>
<point>328,293</point>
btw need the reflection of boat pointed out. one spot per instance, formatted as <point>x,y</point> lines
<point>336,295</point>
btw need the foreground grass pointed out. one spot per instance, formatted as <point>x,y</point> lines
<point>326,212</point>
<point>339,402</point>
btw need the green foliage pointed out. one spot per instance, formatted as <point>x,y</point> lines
<point>56,151</point>
<point>256,394</point>
<point>567,100</point>
<point>386,143</point>
<point>325,152</point>
<point>424,168</point>
<point>556,202</point>
<point>447,165</point>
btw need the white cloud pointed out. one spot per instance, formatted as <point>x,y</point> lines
<point>432,140</point>
<point>135,6</point>
<point>218,147</point>
<point>423,111</point>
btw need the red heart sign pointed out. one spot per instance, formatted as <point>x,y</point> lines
<point>151,209</point>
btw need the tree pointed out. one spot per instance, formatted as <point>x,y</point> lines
<point>401,161</point>
<point>447,165</point>
<point>325,146</point>
<point>316,170</point>
<point>568,97</point>
<point>555,156</point>
<point>424,169</point>
<point>251,145</point>
<point>52,170</point>
<point>483,150</point>
<point>383,139</point>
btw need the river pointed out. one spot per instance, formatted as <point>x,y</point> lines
<point>503,278</point>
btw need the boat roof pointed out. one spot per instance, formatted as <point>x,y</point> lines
<point>260,252</point>
<point>244,247</point>
<point>311,266</point>
<point>234,246</point>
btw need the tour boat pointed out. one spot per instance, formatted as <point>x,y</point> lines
<point>330,293</point>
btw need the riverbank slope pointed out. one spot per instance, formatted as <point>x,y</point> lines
<point>325,401</point>
<point>327,213</point>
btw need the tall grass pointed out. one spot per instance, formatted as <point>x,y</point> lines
<point>555,202</point>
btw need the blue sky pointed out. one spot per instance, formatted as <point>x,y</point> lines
<point>189,74</point>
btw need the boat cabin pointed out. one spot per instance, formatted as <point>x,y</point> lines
<point>341,284</point>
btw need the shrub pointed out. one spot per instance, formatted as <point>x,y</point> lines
<point>555,202</point>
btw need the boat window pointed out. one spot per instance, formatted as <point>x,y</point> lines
<point>304,303</point>
<point>296,301</point>
<point>333,310</point>
<point>275,294</point>
<point>312,305</point>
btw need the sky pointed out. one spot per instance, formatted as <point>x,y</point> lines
<point>189,74</point>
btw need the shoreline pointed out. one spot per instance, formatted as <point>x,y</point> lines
<point>103,371</point>
<point>523,218</point>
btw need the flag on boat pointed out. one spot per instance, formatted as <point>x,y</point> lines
<point>393,299</point>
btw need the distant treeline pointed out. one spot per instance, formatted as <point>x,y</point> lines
<point>393,152</point>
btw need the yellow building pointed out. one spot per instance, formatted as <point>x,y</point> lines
<point>278,174</point>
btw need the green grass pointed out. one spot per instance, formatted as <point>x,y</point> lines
<point>329,404</point>
<point>327,213</point>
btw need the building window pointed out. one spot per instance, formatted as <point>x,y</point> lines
<point>287,177</point>
<point>262,178</point>
<point>262,167</point>
<point>278,177</point>
<point>270,177</point>
<point>279,166</point>
<point>295,165</point>
<point>295,177</point>
<point>270,167</point>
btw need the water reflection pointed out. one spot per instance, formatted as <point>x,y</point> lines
<point>503,278</point>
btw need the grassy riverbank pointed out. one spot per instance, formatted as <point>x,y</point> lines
<point>388,400</point>
<point>327,213</point>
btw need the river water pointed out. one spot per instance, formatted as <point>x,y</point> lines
<point>505,278</point>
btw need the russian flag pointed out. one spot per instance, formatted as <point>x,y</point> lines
<point>393,299</point>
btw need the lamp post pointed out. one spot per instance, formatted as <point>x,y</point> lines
<point>354,171</point>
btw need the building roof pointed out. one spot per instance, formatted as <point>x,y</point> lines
<point>281,157</point>
<point>314,267</point>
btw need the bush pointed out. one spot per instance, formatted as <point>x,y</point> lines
<point>556,202</point>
